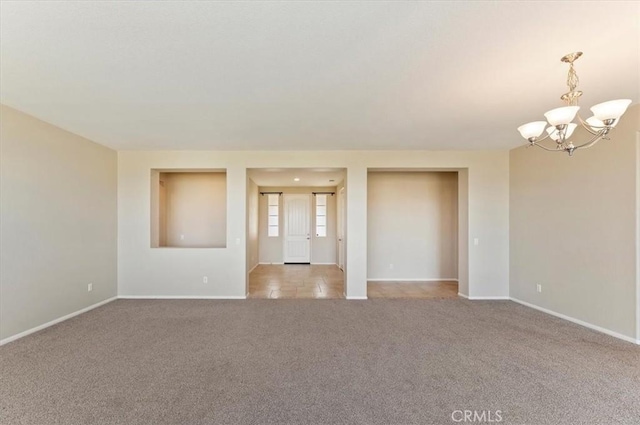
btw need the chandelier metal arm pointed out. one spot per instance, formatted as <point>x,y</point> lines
<point>588,127</point>
<point>567,146</point>
<point>546,148</point>
<point>597,137</point>
<point>535,140</point>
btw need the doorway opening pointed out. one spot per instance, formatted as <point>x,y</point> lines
<point>413,234</point>
<point>295,236</point>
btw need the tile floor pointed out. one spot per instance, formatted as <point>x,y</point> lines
<point>429,290</point>
<point>296,281</point>
<point>327,282</point>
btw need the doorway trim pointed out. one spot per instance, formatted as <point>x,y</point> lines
<point>638,238</point>
<point>341,216</point>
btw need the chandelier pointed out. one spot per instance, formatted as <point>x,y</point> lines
<point>605,117</point>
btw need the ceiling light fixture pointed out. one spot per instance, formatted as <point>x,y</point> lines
<point>296,179</point>
<point>605,116</point>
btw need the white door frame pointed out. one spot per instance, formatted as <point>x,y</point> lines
<point>340,228</point>
<point>287,196</point>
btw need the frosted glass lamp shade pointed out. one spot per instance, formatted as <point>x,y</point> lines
<point>553,132</point>
<point>532,129</point>
<point>612,109</point>
<point>563,115</point>
<point>598,125</point>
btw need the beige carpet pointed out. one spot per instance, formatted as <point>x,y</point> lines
<point>317,362</point>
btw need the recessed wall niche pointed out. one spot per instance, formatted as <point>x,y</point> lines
<point>188,208</point>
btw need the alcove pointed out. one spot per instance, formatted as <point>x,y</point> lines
<point>188,209</point>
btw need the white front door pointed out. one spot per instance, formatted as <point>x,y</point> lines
<point>297,228</point>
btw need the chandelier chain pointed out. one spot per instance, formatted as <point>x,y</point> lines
<point>572,82</point>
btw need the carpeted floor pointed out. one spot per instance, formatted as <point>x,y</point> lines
<point>318,362</point>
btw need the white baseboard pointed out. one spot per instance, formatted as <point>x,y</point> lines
<point>313,264</point>
<point>448,279</point>
<point>357,298</point>
<point>253,268</point>
<point>460,294</point>
<point>578,321</point>
<point>55,321</point>
<point>488,298</point>
<point>182,297</point>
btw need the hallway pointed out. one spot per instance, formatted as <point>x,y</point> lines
<point>296,281</point>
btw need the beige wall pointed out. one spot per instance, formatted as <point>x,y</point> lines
<point>195,209</point>
<point>252,224</point>
<point>575,224</point>
<point>412,222</point>
<point>144,271</point>
<point>572,227</point>
<point>57,223</point>
<point>323,249</point>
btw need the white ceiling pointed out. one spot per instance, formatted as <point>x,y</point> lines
<point>278,177</point>
<point>310,75</point>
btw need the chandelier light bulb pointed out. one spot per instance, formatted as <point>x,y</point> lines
<point>532,129</point>
<point>611,110</point>
<point>560,116</point>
